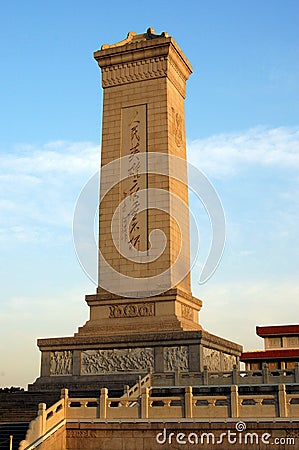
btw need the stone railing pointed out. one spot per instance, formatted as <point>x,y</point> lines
<point>188,403</point>
<point>233,377</point>
<point>137,388</point>
<point>47,422</point>
<point>198,402</point>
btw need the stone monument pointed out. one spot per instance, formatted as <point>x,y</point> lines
<point>143,316</point>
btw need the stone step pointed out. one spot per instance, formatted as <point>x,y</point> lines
<point>16,429</point>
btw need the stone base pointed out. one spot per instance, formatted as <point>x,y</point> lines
<point>174,310</point>
<point>165,434</point>
<point>91,362</point>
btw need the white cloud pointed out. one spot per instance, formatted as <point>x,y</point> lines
<point>69,157</point>
<point>226,153</point>
<point>39,187</point>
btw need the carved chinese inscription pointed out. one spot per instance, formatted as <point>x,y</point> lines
<point>61,363</point>
<point>116,360</point>
<point>131,310</point>
<point>133,212</point>
<point>176,358</point>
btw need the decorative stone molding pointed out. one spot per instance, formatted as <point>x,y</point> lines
<point>81,434</point>
<point>133,37</point>
<point>176,358</point>
<point>61,363</point>
<point>134,71</point>
<point>177,78</point>
<point>131,310</point>
<point>116,360</point>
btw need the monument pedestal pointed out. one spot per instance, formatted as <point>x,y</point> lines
<point>91,362</point>
<point>174,310</point>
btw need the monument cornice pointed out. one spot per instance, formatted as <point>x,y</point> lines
<point>146,59</point>
<point>140,339</point>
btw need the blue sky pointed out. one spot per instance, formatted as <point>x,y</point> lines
<point>242,132</point>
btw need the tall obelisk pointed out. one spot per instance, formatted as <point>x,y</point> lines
<point>144,81</point>
<point>143,316</point>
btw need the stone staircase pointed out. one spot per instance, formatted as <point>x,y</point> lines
<point>136,390</point>
<point>23,406</point>
<point>15,429</point>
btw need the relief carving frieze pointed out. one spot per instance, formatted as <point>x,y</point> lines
<point>176,358</point>
<point>211,359</point>
<point>116,360</point>
<point>61,363</point>
<point>228,362</point>
<point>131,310</point>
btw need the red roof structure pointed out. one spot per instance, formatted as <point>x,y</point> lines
<point>269,354</point>
<point>277,330</point>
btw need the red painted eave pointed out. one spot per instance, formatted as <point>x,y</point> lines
<point>271,354</point>
<point>277,330</point>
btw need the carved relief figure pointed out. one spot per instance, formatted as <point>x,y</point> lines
<point>211,359</point>
<point>227,362</point>
<point>176,358</point>
<point>116,360</point>
<point>61,363</point>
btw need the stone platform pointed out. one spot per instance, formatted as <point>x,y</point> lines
<point>91,362</point>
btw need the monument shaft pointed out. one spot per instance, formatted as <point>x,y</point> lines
<point>144,81</point>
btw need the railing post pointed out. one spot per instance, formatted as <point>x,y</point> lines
<point>265,373</point>
<point>234,401</point>
<point>42,417</point>
<point>64,395</point>
<point>234,375</point>
<point>144,403</point>
<point>188,402</point>
<point>296,374</point>
<point>103,403</point>
<point>282,401</point>
<point>139,385</point>
<point>205,375</point>
<point>127,390</point>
